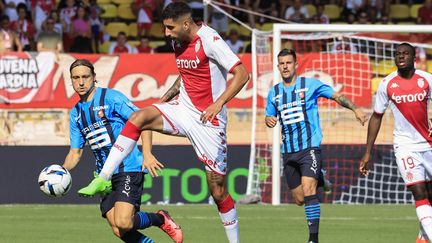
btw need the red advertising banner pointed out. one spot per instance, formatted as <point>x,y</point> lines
<point>42,80</point>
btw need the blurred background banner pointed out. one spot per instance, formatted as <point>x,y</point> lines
<point>42,80</point>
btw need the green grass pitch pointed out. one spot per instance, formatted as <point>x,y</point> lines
<point>201,224</point>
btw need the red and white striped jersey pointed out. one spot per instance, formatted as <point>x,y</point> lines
<point>408,100</point>
<point>204,64</point>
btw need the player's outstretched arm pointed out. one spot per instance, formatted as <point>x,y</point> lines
<point>347,103</point>
<point>149,161</point>
<point>72,158</point>
<point>172,92</point>
<point>270,121</point>
<point>241,77</point>
<point>373,129</point>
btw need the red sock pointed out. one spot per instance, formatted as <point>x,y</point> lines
<point>226,205</point>
<point>131,131</point>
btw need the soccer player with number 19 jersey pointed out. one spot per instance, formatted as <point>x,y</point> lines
<point>203,60</point>
<point>294,103</point>
<point>407,92</point>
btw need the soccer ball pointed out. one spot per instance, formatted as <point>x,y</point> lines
<point>55,181</point>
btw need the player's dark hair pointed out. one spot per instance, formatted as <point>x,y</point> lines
<point>176,10</point>
<point>288,52</point>
<point>413,50</point>
<point>82,62</point>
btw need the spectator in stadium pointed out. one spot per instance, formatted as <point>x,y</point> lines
<point>320,17</point>
<point>9,40</point>
<point>10,8</point>
<point>49,40</point>
<point>144,46</point>
<point>219,20</point>
<point>407,91</point>
<point>59,24</point>
<point>352,7</point>
<point>203,60</point>
<point>121,205</point>
<point>41,10</point>
<point>121,45</point>
<point>294,103</point>
<point>363,17</point>
<point>266,7</point>
<point>67,14</point>
<point>2,7</point>
<point>424,15</point>
<point>96,23</point>
<point>144,9</point>
<point>297,12</point>
<point>234,43</point>
<point>24,28</point>
<point>197,7</point>
<point>81,32</point>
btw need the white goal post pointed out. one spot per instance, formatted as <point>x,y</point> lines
<point>278,31</point>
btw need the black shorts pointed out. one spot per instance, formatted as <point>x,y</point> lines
<point>306,162</point>
<point>126,187</point>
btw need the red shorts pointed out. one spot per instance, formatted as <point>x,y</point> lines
<point>144,26</point>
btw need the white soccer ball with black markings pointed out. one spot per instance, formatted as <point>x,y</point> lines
<point>55,181</point>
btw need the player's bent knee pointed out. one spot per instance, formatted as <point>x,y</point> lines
<point>124,223</point>
<point>299,202</point>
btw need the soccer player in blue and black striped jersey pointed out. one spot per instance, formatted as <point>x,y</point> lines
<point>97,119</point>
<point>294,103</point>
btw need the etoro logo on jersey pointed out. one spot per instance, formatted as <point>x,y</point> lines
<point>188,64</point>
<point>409,97</point>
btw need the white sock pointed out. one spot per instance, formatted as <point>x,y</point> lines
<point>230,222</point>
<point>424,214</point>
<point>120,150</point>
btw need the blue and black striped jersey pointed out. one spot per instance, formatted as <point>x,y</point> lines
<point>296,107</point>
<point>99,122</point>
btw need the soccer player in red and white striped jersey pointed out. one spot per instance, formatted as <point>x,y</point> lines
<point>407,92</point>
<point>203,60</point>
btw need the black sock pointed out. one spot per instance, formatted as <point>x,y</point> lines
<point>156,219</point>
<point>313,213</point>
<point>144,220</point>
<point>134,236</point>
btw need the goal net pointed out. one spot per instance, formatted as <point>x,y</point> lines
<point>352,59</point>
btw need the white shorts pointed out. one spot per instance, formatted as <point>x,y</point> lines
<point>209,142</point>
<point>415,167</point>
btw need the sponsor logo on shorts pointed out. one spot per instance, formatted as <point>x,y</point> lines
<point>127,188</point>
<point>314,161</point>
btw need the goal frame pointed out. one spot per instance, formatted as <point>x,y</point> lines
<point>278,29</point>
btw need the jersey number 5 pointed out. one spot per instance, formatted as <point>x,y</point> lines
<point>292,115</point>
<point>102,138</point>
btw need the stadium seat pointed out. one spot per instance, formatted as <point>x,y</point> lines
<point>266,27</point>
<point>122,1</point>
<point>154,44</point>
<point>114,28</point>
<point>399,11</point>
<point>157,31</point>
<point>124,11</point>
<point>110,11</point>
<point>311,9</point>
<point>332,11</point>
<point>374,84</point>
<point>105,47</point>
<point>384,67</point>
<point>414,10</point>
<point>244,32</point>
<point>429,66</point>
<point>99,2</point>
<point>133,32</point>
<point>133,43</point>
